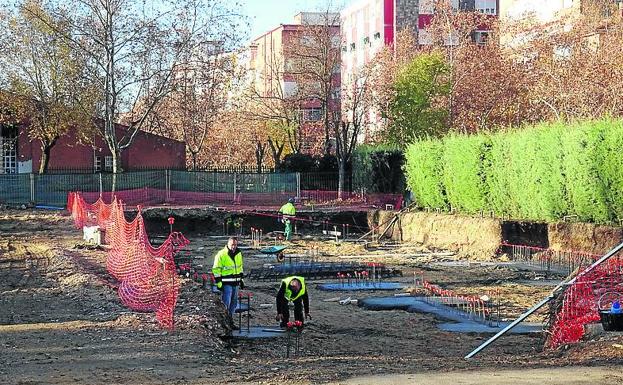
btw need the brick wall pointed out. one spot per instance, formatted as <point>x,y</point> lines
<point>147,150</point>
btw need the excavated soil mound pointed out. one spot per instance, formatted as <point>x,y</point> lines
<point>586,237</point>
<point>470,237</point>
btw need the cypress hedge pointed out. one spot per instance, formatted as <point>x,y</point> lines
<point>545,172</point>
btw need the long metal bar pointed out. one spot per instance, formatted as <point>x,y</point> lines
<point>545,300</point>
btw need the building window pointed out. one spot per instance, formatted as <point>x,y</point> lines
<point>480,37</point>
<point>311,114</point>
<point>352,46</point>
<point>97,163</point>
<point>486,6</point>
<point>366,40</point>
<point>108,163</point>
<point>8,149</point>
<point>344,49</point>
<point>335,93</point>
<point>377,35</point>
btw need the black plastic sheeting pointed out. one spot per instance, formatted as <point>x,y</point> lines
<point>318,270</point>
<point>359,286</point>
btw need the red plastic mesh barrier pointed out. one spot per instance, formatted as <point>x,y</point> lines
<point>581,301</point>
<point>147,276</point>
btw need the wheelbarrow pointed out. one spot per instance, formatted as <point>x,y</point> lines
<point>277,251</point>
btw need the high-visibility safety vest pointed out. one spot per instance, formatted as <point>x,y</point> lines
<point>288,209</point>
<point>288,292</point>
<point>226,268</point>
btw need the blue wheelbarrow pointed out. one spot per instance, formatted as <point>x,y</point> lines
<point>277,251</point>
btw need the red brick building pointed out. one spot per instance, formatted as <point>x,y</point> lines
<point>20,154</point>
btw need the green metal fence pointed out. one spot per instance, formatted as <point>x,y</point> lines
<point>52,189</point>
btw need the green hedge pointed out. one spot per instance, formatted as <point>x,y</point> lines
<point>542,173</point>
<point>424,173</point>
<point>463,172</point>
<point>378,169</point>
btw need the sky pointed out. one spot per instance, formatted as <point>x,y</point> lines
<point>267,14</point>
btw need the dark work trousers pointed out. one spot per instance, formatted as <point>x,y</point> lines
<point>298,310</point>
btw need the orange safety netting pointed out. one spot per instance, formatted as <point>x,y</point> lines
<point>147,274</point>
<point>581,302</point>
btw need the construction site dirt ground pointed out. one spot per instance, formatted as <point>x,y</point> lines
<point>61,322</point>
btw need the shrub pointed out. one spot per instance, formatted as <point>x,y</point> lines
<point>378,169</point>
<point>423,170</point>
<point>541,173</point>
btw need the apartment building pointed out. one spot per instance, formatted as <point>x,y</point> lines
<point>369,25</point>
<point>542,11</point>
<point>271,62</point>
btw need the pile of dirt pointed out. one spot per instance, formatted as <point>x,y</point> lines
<point>470,237</point>
<point>585,237</point>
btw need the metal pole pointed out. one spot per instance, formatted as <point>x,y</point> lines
<point>234,188</point>
<point>298,185</point>
<point>32,187</point>
<point>545,300</point>
<point>101,185</point>
<point>167,185</point>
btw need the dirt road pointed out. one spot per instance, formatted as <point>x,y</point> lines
<point>551,376</point>
<point>61,323</point>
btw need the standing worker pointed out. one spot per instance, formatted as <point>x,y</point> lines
<point>288,211</point>
<point>228,273</point>
<point>293,290</point>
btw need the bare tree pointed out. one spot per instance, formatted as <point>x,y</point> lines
<point>356,108</point>
<point>314,56</point>
<point>45,77</point>
<point>134,49</point>
<point>278,102</point>
<point>201,86</point>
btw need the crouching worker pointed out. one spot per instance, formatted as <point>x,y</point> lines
<point>292,289</point>
<point>228,273</point>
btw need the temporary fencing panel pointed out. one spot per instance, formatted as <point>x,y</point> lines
<point>175,187</point>
<point>147,275</point>
<point>15,188</point>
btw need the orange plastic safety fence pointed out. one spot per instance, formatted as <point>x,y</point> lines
<point>148,280</point>
<point>581,302</point>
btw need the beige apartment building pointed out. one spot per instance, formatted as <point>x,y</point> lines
<point>541,10</point>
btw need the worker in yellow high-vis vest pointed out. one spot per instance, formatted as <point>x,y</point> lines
<point>228,273</point>
<point>288,211</point>
<point>293,290</point>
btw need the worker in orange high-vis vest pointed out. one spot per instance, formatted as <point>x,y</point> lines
<point>293,290</point>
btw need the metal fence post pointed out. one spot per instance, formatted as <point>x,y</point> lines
<point>235,187</point>
<point>167,185</point>
<point>298,185</point>
<point>101,185</point>
<point>32,187</point>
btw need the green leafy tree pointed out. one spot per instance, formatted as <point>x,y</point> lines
<point>418,109</point>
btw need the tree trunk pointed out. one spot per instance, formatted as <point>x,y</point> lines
<point>276,150</point>
<point>341,177</point>
<point>194,156</point>
<point>116,168</point>
<point>327,127</point>
<point>259,155</point>
<point>45,157</point>
<point>46,147</point>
